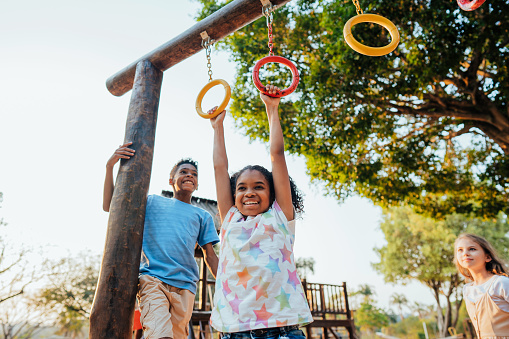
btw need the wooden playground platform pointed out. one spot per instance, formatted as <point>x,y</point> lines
<point>328,303</point>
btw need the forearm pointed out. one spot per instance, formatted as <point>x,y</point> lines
<point>109,187</point>
<point>277,143</point>
<point>219,157</point>
<point>211,260</point>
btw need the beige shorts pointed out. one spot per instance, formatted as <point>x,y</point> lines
<point>165,310</point>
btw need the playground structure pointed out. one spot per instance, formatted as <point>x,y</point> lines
<point>111,315</point>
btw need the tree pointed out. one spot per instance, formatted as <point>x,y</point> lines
<point>370,318</point>
<point>69,292</point>
<point>18,320</point>
<point>427,125</point>
<point>422,249</point>
<point>13,274</point>
<point>305,266</point>
<point>400,300</point>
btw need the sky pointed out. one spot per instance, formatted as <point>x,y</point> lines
<point>59,125</point>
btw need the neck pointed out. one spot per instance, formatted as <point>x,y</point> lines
<point>481,276</point>
<point>183,196</point>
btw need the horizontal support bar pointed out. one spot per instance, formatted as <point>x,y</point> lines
<point>218,25</point>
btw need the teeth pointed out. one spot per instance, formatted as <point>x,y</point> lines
<point>250,203</point>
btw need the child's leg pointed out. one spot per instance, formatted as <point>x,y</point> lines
<point>154,305</point>
<point>181,309</point>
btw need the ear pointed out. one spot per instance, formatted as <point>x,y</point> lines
<point>171,182</point>
<point>488,258</point>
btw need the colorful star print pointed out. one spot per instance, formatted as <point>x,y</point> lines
<point>245,234</point>
<point>223,265</point>
<point>283,229</point>
<point>235,304</point>
<point>269,230</point>
<point>261,289</point>
<point>226,288</point>
<point>284,299</point>
<point>255,250</point>
<point>257,283</point>
<point>244,277</point>
<point>281,323</point>
<point>262,316</point>
<point>293,279</point>
<point>287,255</point>
<point>273,265</point>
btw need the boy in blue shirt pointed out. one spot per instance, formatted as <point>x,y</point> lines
<point>168,270</point>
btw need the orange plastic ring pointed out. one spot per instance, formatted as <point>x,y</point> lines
<point>223,104</point>
<point>467,5</point>
<point>281,60</point>
<point>366,50</point>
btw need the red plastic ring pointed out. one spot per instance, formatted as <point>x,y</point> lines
<point>467,5</point>
<point>280,60</point>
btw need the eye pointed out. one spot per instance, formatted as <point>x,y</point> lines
<point>241,188</point>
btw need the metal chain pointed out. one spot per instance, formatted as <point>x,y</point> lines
<point>357,7</point>
<point>267,12</point>
<point>207,44</point>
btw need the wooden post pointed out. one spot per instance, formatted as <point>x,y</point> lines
<point>111,315</point>
<point>226,20</point>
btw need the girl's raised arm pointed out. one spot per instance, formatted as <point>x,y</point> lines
<point>277,155</point>
<point>223,190</point>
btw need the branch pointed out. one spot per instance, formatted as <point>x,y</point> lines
<point>11,296</point>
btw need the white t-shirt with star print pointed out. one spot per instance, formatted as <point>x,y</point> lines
<point>257,285</point>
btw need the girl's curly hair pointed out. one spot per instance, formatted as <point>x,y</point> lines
<point>297,196</point>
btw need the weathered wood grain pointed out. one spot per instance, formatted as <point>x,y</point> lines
<point>111,315</point>
<point>227,20</point>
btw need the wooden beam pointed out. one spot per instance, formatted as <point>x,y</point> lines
<point>113,306</point>
<point>225,21</point>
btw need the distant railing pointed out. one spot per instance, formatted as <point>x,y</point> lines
<point>327,299</point>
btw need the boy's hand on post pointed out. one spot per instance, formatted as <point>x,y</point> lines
<point>122,152</point>
<point>270,101</point>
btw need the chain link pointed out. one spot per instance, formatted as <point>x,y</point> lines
<point>267,12</point>
<point>207,44</point>
<point>357,7</point>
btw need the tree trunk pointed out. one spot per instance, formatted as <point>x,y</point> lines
<point>111,315</point>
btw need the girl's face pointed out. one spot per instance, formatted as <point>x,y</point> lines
<point>252,193</point>
<point>470,255</point>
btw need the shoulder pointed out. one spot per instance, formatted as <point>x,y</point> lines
<point>501,282</point>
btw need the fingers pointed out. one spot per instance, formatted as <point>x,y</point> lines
<point>271,89</point>
<point>218,119</point>
<point>124,152</point>
<point>212,110</point>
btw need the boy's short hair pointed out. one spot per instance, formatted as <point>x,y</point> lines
<point>182,162</point>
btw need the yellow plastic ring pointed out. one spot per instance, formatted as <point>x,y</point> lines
<point>223,104</point>
<point>366,50</point>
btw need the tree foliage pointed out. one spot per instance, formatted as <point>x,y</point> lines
<point>371,318</point>
<point>427,124</point>
<point>69,292</point>
<point>15,272</point>
<point>305,266</point>
<point>422,249</point>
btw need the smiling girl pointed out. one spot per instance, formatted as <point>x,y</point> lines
<point>258,292</point>
<point>487,294</point>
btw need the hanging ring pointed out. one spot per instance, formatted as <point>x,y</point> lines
<point>467,5</point>
<point>205,89</point>
<point>366,50</point>
<point>280,60</point>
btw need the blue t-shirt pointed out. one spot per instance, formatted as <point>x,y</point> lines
<point>172,228</point>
